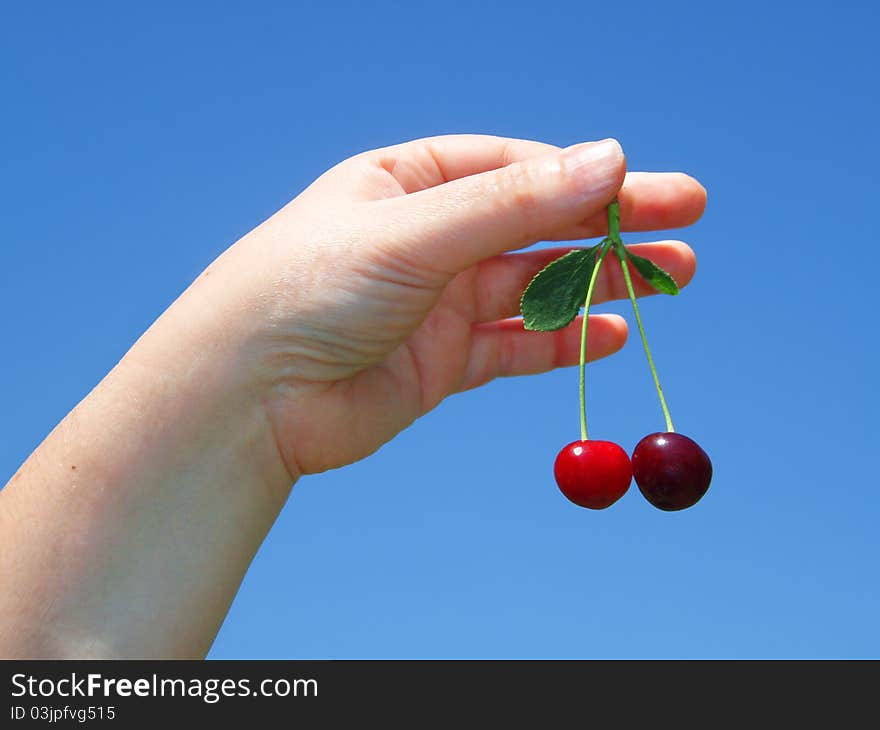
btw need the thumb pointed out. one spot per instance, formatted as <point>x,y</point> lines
<point>453,226</point>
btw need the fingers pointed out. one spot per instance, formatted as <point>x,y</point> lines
<point>448,228</point>
<point>425,163</point>
<point>503,349</point>
<point>500,281</point>
<point>649,201</point>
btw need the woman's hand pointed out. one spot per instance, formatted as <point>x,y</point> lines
<point>386,286</point>
<point>376,293</point>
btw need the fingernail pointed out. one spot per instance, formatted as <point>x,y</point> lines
<point>595,166</point>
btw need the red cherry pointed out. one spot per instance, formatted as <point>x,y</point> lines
<point>593,474</point>
<point>671,470</point>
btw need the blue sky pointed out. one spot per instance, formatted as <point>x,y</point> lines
<point>139,141</point>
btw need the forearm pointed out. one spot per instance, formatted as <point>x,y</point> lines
<point>129,529</point>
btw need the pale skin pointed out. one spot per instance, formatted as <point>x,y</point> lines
<point>386,286</point>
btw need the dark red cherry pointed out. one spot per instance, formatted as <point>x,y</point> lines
<point>593,474</point>
<point>671,470</point>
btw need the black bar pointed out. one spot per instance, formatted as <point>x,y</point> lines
<point>175,693</point>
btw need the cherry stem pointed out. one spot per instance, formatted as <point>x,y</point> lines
<point>583,362</point>
<point>614,235</point>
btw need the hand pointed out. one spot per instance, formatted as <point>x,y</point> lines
<point>380,290</point>
<point>386,285</point>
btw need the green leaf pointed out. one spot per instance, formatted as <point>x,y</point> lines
<point>653,274</point>
<point>556,293</point>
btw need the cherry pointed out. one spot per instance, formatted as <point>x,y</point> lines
<point>671,470</point>
<point>593,474</point>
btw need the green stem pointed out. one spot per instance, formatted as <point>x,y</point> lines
<point>621,254</point>
<point>582,375</point>
<point>614,221</point>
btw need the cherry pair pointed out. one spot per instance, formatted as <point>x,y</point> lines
<point>671,471</point>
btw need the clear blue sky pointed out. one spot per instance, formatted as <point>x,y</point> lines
<point>137,141</point>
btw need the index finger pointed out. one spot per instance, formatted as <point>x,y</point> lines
<point>431,161</point>
<point>649,201</point>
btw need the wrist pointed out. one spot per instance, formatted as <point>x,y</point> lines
<point>206,366</point>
